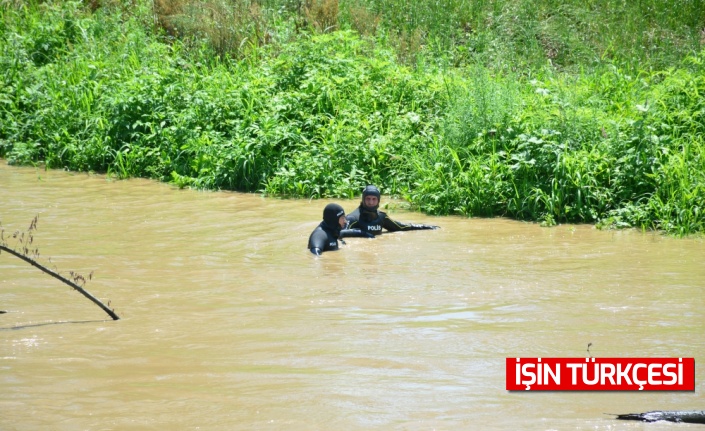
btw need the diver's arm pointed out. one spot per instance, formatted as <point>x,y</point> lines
<point>395,226</point>
<point>317,242</point>
<point>355,233</point>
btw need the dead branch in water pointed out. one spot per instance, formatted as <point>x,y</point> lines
<point>30,256</point>
<point>692,417</point>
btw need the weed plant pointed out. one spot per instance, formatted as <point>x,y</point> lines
<point>543,110</point>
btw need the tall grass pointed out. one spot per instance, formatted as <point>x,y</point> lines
<point>515,34</point>
<point>543,110</point>
<point>606,148</point>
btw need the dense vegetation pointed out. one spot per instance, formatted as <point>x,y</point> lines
<point>546,110</point>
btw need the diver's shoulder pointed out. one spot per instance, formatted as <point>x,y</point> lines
<point>354,214</point>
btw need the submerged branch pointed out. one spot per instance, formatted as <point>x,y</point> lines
<point>83,291</point>
<point>693,417</point>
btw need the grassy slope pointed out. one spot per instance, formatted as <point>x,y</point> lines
<point>551,111</point>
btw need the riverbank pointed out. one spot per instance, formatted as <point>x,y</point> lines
<point>320,114</point>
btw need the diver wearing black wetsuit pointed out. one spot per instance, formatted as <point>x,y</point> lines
<point>325,236</point>
<point>370,220</point>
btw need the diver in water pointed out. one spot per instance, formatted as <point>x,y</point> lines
<point>369,219</point>
<point>326,235</point>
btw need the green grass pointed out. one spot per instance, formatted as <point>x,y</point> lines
<point>546,111</point>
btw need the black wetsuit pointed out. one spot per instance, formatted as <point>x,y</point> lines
<point>373,221</point>
<point>323,238</point>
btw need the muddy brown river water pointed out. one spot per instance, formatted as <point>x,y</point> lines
<point>229,323</point>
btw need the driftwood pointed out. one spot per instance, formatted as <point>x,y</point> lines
<point>83,291</point>
<point>692,417</point>
<point>27,257</point>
